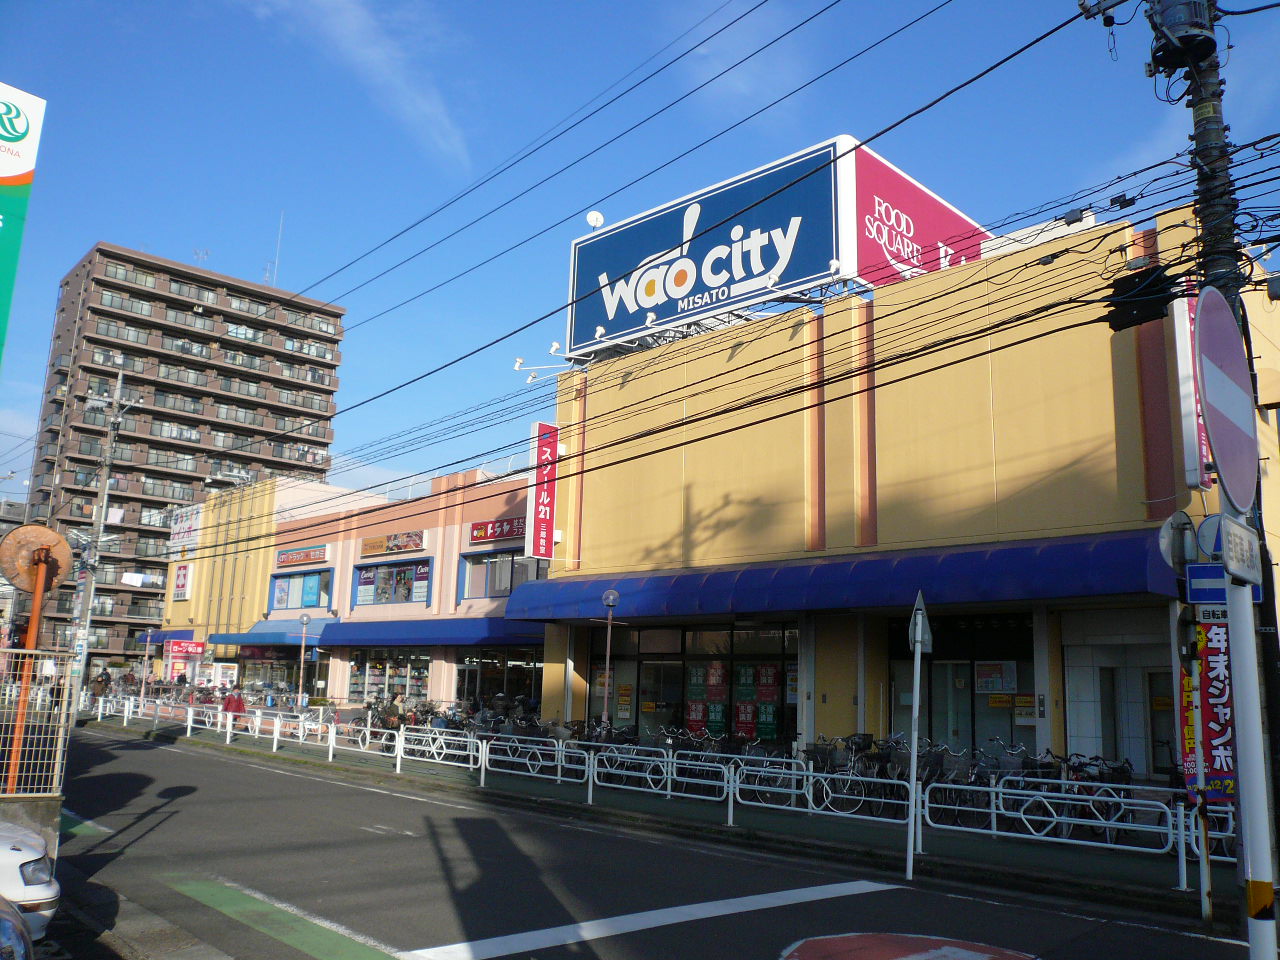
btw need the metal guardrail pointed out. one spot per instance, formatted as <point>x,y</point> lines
<point>1133,818</point>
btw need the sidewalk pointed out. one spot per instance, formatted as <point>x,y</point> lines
<point>1103,879</point>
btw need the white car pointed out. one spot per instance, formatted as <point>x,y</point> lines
<point>26,877</point>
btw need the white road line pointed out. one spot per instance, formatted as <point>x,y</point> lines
<point>309,917</point>
<point>631,922</point>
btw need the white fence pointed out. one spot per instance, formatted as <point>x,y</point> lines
<point>1133,818</point>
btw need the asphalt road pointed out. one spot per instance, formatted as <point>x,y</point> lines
<point>282,861</point>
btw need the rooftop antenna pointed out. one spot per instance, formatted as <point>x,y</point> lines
<point>199,255</point>
<point>275,264</point>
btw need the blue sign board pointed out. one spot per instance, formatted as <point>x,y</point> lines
<point>773,230</point>
<point>1207,583</point>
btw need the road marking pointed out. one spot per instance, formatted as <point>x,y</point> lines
<point>631,922</point>
<point>290,925</point>
<point>75,825</point>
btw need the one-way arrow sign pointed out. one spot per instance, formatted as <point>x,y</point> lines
<point>920,632</point>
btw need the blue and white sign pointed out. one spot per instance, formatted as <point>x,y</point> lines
<point>1207,583</point>
<point>777,229</point>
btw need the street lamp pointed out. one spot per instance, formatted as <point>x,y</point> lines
<point>302,659</point>
<point>610,600</point>
<point>146,663</point>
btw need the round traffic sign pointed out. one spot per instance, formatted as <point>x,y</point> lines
<point>1226,397</point>
<point>895,946</point>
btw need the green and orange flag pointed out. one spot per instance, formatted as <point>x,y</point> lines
<point>21,117</point>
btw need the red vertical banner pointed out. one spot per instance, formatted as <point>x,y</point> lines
<point>540,530</point>
<point>1217,722</point>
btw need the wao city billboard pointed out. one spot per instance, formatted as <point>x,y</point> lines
<point>836,211</point>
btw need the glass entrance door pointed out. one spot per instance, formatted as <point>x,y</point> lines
<point>468,682</point>
<point>951,703</point>
<point>660,695</point>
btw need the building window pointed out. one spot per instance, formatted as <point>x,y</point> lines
<point>183,375</point>
<point>199,321</point>
<point>292,591</point>
<point>175,431</point>
<point>155,516</point>
<point>140,307</point>
<point>393,583</point>
<point>118,271</point>
<point>244,305</point>
<point>497,574</point>
<point>119,331</point>
<point>185,346</point>
<point>192,291</point>
<point>311,323</point>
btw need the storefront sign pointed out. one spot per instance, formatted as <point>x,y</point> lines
<point>391,543</point>
<point>835,211</point>
<point>288,558</point>
<point>1217,725</point>
<point>995,676</point>
<point>184,648</point>
<point>21,119</point>
<point>184,532</point>
<point>541,527</point>
<point>624,701</point>
<point>182,582</point>
<point>999,700</point>
<point>486,531</point>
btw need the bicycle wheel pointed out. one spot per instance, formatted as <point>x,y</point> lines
<point>843,793</point>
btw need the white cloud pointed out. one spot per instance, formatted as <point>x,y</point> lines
<point>379,43</point>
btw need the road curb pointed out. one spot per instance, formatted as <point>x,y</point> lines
<point>940,873</point>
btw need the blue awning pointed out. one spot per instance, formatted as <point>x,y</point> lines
<point>439,631</point>
<point>163,636</point>
<point>1109,564</point>
<point>276,633</point>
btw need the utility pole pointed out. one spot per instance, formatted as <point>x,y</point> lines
<point>92,552</point>
<point>1185,39</point>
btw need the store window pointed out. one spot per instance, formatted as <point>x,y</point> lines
<point>312,588</point>
<point>497,574</point>
<point>393,583</point>
<point>718,682</point>
<point>511,671</point>
<point>380,674</point>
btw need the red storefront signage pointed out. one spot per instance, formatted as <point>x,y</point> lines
<point>540,540</point>
<point>184,648</point>
<point>1217,723</point>
<point>285,558</point>
<point>485,531</point>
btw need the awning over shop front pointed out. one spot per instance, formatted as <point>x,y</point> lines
<point>1109,564</point>
<point>158,637</point>
<point>276,633</point>
<point>458,631</point>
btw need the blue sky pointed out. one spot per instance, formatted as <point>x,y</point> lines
<point>181,127</point>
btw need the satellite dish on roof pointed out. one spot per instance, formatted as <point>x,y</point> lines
<point>595,219</point>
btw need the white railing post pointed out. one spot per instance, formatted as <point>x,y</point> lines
<point>275,734</point>
<point>124,717</point>
<point>731,778</point>
<point>920,822</point>
<point>991,782</point>
<point>333,739</point>
<point>669,768</point>
<point>399,747</point>
<point>1179,824</point>
<point>559,760</point>
<point>101,703</point>
<point>591,777</point>
<point>191,718</point>
<point>230,721</point>
<point>156,711</point>
<point>484,760</point>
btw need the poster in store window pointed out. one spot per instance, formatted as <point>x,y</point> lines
<point>366,580</point>
<point>767,677</point>
<point>717,681</point>
<point>311,590</point>
<point>995,676</point>
<point>695,715</point>
<point>767,720</point>
<point>744,682</point>
<point>716,721</point>
<point>793,684</point>
<point>281,592</point>
<point>744,720</point>
<point>696,682</point>
<point>421,582</point>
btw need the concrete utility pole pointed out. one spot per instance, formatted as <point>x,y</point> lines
<point>1185,39</point>
<point>93,550</point>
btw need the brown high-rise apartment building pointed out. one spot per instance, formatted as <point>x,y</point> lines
<point>215,370</point>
